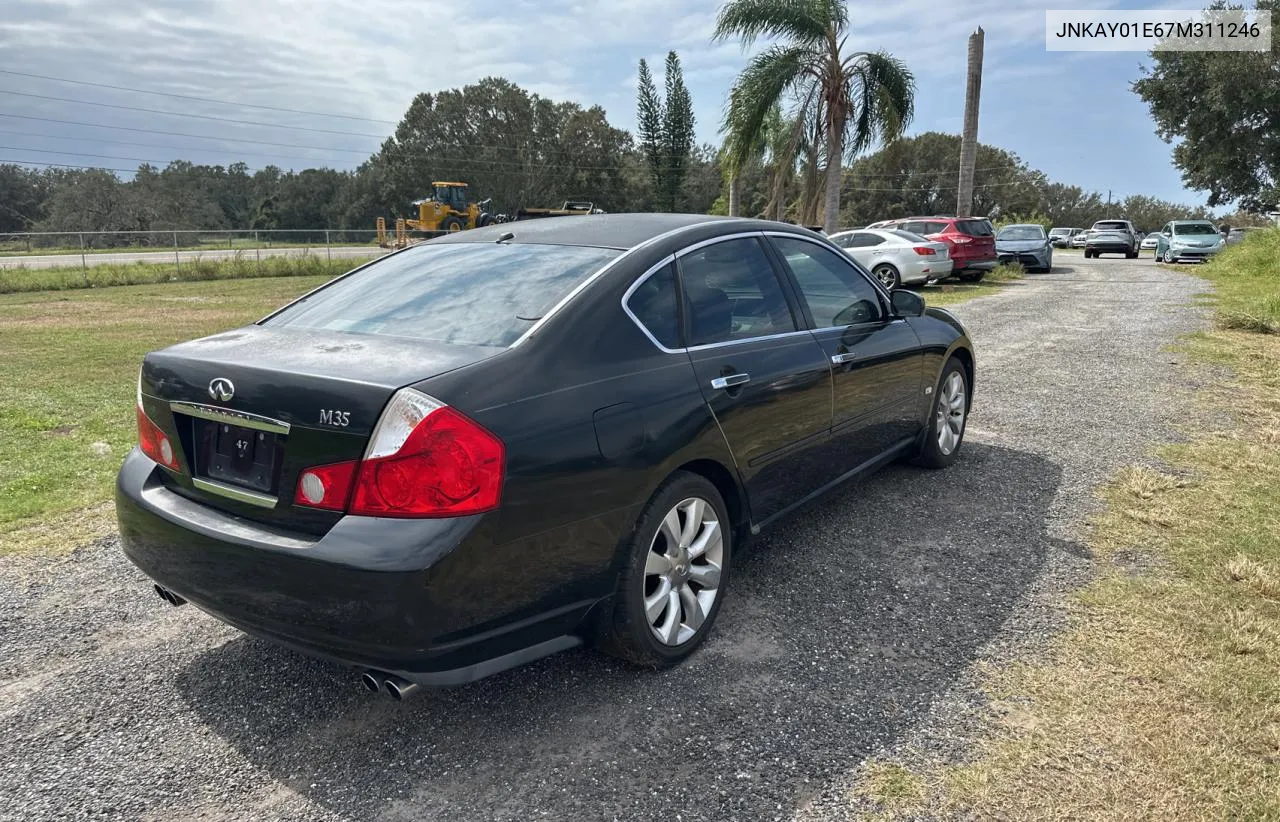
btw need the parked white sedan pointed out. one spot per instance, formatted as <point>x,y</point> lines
<point>896,257</point>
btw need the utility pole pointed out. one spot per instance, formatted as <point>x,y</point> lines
<point>969,138</point>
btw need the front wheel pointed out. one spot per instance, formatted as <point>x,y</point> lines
<point>1170,258</point>
<point>676,571</point>
<point>888,276</point>
<point>945,433</point>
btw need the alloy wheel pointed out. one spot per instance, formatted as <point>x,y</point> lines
<point>951,409</point>
<point>887,276</point>
<point>682,571</point>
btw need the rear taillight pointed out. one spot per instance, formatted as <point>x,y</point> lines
<point>154,442</point>
<point>424,459</point>
<point>924,251</point>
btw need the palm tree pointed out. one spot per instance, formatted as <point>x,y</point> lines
<point>855,99</point>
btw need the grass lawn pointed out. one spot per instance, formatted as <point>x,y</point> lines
<point>1162,698</point>
<point>69,363</point>
<point>19,249</point>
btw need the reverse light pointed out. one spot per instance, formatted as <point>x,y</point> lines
<point>924,251</point>
<point>961,239</point>
<point>424,459</point>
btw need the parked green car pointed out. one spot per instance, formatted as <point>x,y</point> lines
<point>1188,240</point>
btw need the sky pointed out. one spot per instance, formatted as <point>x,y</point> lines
<point>1069,114</point>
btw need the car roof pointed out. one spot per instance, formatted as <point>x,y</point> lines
<point>620,231</point>
<point>1021,225</point>
<point>1192,222</point>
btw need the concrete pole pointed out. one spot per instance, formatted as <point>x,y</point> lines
<point>969,138</point>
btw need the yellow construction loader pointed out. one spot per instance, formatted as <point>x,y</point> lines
<point>447,209</point>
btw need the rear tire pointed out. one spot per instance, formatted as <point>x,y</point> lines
<point>1131,255</point>
<point>888,276</point>
<point>973,276</point>
<point>452,224</point>
<point>947,418</point>
<point>675,575</point>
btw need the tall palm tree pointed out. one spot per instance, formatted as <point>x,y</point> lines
<point>856,99</point>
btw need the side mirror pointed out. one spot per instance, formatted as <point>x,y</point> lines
<point>908,303</point>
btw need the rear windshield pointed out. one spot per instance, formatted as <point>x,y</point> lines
<point>461,293</point>
<point>1111,225</point>
<point>908,236</point>
<point>1194,228</point>
<point>974,228</point>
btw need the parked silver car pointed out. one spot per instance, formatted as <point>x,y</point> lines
<point>896,257</point>
<point>1061,236</point>
<point>1079,240</point>
<point>1025,243</point>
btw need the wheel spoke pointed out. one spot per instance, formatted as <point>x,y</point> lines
<point>671,530</point>
<point>694,616</point>
<point>957,403</point>
<point>709,539</point>
<point>657,601</point>
<point>670,627</point>
<point>707,575</point>
<point>657,564</point>
<point>692,522</point>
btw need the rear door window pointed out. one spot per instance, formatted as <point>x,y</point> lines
<point>484,294</point>
<point>933,227</point>
<point>974,228</point>
<point>731,292</point>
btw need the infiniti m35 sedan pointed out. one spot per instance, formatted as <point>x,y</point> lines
<point>509,441</point>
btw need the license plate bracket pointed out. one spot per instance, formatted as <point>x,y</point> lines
<point>237,455</point>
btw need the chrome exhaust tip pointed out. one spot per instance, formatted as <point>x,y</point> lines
<point>400,689</point>
<point>370,682</point>
<point>169,596</point>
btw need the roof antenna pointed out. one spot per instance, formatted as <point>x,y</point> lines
<point>505,236</point>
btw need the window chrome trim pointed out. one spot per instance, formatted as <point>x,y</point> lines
<point>641,280</point>
<point>230,417</point>
<point>604,269</point>
<point>708,346</point>
<point>723,238</point>
<point>238,494</point>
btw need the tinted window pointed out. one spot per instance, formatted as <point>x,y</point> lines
<point>654,304</point>
<point>933,228</point>
<point>915,227</point>
<point>910,237</point>
<point>462,293</point>
<point>974,228</point>
<point>835,292</point>
<point>1110,225</point>
<point>860,240</point>
<point>732,293</point>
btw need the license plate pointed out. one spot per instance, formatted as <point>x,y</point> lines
<point>240,456</point>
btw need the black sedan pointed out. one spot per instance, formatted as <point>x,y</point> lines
<point>513,440</point>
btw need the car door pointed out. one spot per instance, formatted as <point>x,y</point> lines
<point>877,361</point>
<point>765,379</point>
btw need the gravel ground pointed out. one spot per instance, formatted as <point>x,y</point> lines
<point>851,631</point>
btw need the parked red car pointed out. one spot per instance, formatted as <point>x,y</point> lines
<point>972,241</point>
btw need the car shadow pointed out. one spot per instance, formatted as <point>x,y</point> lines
<point>841,625</point>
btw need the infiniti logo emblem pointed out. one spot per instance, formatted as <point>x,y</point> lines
<point>221,389</point>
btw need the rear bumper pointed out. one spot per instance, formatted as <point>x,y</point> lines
<point>1110,248</point>
<point>971,261</point>
<point>416,598</point>
<point>926,269</point>
<point>1026,258</point>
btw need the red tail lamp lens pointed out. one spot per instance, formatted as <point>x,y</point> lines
<point>327,486</point>
<point>155,443</point>
<point>924,251</point>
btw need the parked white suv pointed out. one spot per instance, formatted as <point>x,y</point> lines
<point>1112,237</point>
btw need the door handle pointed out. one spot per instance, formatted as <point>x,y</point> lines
<point>730,380</point>
<point>847,356</point>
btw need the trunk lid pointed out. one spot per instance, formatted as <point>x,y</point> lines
<point>251,408</point>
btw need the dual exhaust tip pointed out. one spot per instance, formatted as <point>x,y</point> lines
<point>169,596</point>
<point>389,685</point>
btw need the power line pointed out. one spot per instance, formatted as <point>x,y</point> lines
<point>132,143</point>
<point>197,99</point>
<point>183,134</point>
<point>188,114</point>
<point>66,165</point>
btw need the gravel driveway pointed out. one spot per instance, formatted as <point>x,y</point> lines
<point>846,631</point>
